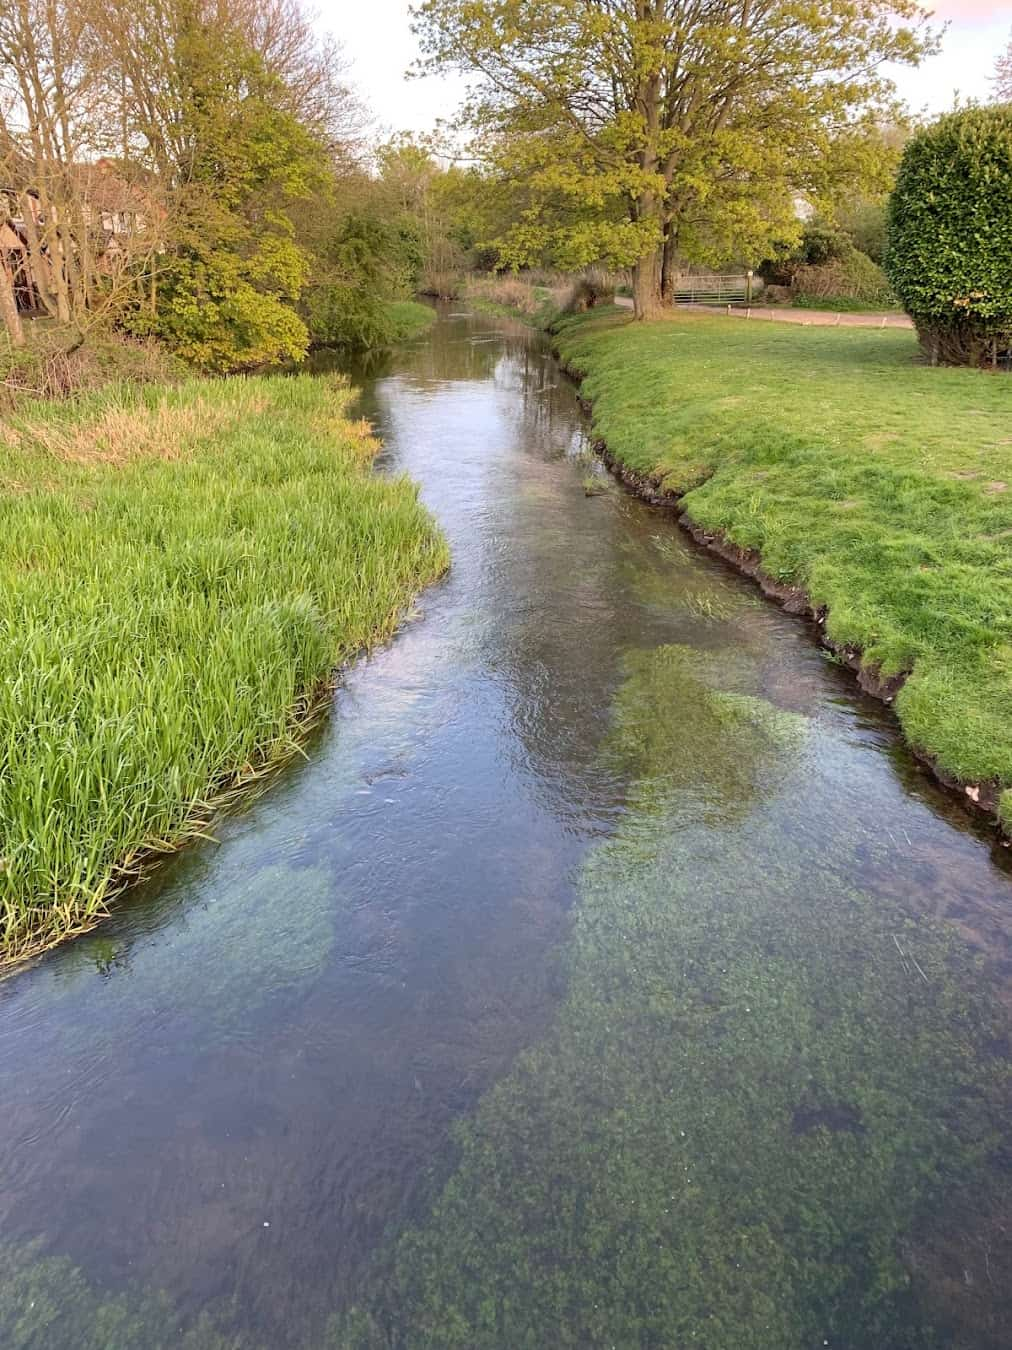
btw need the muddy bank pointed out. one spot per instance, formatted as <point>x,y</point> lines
<point>980,798</point>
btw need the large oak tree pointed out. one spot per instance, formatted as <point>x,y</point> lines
<point>635,128</point>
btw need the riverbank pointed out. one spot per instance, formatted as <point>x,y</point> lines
<point>58,362</point>
<point>857,483</point>
<point>409,319</point>
<point>181,571</point>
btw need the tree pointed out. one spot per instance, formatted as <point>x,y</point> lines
<point>949,252</point>
<point>1003,76</point>
<point>227,107</point>
<point>87,224</point>
<point>151,152</point>
<point>636,125</point>
<point>433,204</point>
<point>232,160</point>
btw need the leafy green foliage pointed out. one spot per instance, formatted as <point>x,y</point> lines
<point>227,286</point>
<point>825,262</point>
<point>180,571</point>
<point>356,269</point>
<point>212,315</point>
<point>852,276</point>
<point>865,222</point>
<point>882,488</point>
<point>442,213</point>
<point>949,255</point>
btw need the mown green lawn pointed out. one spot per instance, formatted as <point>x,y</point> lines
<point>881,486</point>
<point>181,569</point>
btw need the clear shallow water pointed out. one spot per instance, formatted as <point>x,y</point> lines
<point>241,1089</point>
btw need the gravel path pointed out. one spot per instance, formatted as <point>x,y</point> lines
<point>823,318</point>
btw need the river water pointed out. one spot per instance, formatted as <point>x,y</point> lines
<point>607,975</point>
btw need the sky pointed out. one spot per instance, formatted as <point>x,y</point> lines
<point>376,36</point>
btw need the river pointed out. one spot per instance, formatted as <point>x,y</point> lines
<point>607,974</point>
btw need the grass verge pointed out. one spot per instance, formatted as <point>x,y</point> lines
<point>880,487</point>
<point>180,572</point>
<point>841,304</point>
<point>408,318</point>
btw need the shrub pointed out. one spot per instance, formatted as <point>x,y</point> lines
<point>511,292</point>
<point>820,243</point>
<point>596,286</point>
<point>57,363</point>
<point>949,251</point>
<point>359,265</point>
<point>853,276</point>
<point>865,222</point>
<point>345,315</point>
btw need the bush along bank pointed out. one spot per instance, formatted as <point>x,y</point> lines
<point>181,571</point>
<point>854,484</point>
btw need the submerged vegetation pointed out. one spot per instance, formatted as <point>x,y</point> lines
<point>180,572</point>
<point>47,1303</point>
<point>754,1103</point>
<point>881,488</point>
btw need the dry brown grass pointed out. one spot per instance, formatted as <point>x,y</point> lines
<point>442,284</point>
<point>355,437</point>
<point>121,434</point>
<point>509,291</point>
<point>55,364</point>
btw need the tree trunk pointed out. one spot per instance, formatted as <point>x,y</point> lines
<point>9,308</point>
<point>38,264</point>
<point>647,302</point>
<point>669,265</point>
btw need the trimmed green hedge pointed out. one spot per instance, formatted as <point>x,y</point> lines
<point>949,253</point>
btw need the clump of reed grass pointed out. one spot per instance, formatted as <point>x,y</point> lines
<point>171,605</point>
<point>442,283</point>
<point>509,291</point>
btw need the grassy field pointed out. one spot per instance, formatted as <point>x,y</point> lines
<point>882,487</point>
<point>181,569</point>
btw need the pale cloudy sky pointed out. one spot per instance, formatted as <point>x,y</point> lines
<point>377,38</point>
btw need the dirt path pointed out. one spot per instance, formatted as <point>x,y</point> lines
<point>823,318</point>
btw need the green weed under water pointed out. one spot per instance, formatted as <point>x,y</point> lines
<point>47,1303</point>
<point>180,572</point>
<point>758,1105</point>
<point>882,487</point>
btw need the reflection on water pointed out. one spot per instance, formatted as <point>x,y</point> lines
<point>230,1101</point>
